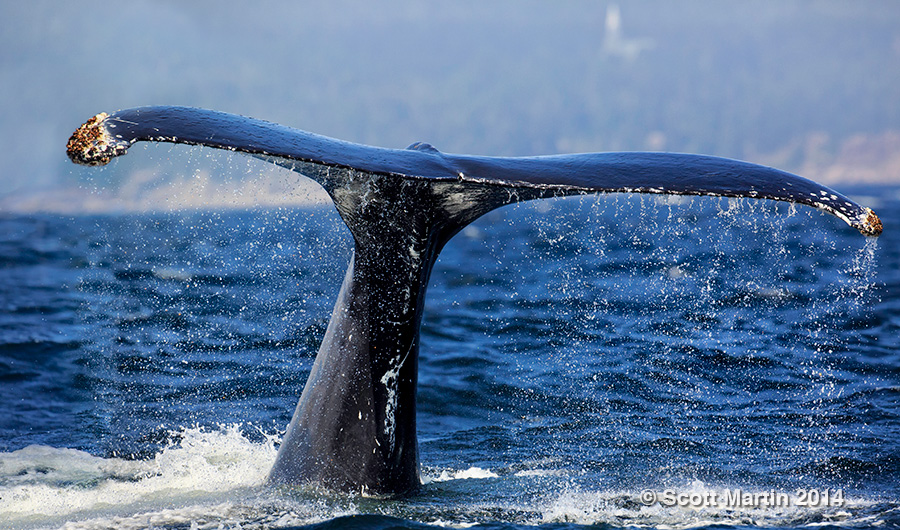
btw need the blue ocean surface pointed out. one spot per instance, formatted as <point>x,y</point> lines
<point>616,362</point>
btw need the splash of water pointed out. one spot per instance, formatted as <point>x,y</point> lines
<point>41,486</point>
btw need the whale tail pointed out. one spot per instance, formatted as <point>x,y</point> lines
<point>354,427</point>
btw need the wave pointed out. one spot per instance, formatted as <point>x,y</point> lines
<point>215,478</point>
<point>43,486</point>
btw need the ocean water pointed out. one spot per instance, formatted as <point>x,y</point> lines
<point>614,362</point>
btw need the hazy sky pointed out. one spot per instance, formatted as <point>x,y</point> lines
<point>501,77</point>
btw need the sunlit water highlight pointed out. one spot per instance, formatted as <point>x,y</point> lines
<point>575,353</point>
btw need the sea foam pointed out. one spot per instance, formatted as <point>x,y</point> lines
<point>45,487</point>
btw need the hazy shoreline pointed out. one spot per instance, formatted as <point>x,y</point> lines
<point>170,198</point>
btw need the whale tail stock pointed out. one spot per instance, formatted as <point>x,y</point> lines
<point>354,427</point>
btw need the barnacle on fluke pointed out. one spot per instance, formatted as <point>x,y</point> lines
<point>92,145</point>
<point>871,225</point>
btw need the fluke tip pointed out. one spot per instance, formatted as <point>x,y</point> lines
<point>92,145</point>
<point>871,225</point>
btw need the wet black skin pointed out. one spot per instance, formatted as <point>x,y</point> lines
<point>354,428</point>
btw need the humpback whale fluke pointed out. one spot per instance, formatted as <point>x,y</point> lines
<point>354,427</point>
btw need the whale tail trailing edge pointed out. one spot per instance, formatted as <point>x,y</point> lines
<point>354,425</point>
<point>106,136</point>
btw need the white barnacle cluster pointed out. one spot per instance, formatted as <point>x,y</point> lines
<point>826,201</point>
